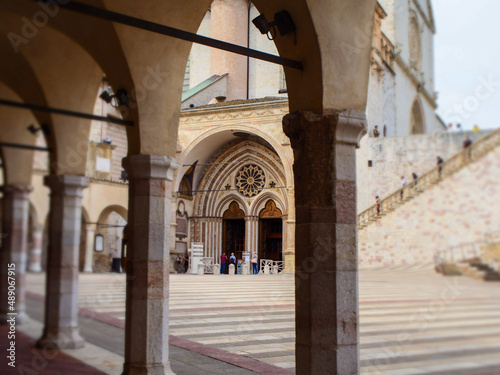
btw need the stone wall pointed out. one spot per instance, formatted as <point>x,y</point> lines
<point>394,157</point>
<point>463,208</point>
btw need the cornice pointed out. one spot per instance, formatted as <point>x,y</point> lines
<point>231,112</point>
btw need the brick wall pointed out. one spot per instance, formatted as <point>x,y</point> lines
<point>461,209</point>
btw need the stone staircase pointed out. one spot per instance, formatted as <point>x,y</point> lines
<point>451,166</point>
<point>477,260</point>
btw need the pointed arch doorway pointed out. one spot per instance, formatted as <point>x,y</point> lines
<point>233,226</point>
<point>271,232</point>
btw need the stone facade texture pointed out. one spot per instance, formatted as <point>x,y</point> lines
<point>461,209</point>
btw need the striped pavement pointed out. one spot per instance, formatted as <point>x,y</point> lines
<point>412,321</point>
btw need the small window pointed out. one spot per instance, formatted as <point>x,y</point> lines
<point>370,163</point>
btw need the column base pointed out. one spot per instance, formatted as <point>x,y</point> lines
<point>35,268</point>
<point>68,338</point>
<point>159,369</point>
<point>88,270</point>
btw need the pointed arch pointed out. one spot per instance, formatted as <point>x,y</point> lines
<point>417,125</point>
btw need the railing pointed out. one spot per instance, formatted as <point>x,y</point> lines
<point>264,263</point>
<point>460,253</point>
<point>280,265</point>
<point>447,168</point>
<point>208,265</point>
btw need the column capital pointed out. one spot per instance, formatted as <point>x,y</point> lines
<point>90,227</point>
<point>17,190</point>
<point>150,166</point>
<point>347,126</point>
<point>69,185</point>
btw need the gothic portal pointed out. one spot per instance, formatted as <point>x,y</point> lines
<point>241,203</point>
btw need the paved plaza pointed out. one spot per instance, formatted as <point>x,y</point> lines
<point>412,321</point>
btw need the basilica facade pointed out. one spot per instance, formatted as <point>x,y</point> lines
<point>234,187</point>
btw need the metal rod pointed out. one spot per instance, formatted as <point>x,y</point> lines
<point>216,190</point>
<point>179,34</point>
<point>25,147</point>
<point>64,112</point>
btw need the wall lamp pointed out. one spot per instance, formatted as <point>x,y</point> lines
<point>282,20</point>
<point>44,128</point>
<point>120,98</point>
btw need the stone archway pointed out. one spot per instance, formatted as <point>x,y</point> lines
<point>233,225</point>
<point>244,172</point>
<point>271,233</point>
<point>110,225</point>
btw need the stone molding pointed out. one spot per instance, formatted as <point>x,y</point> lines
<point>67,185</point>
<point>277,108</point>
<point>17,190</point>
<point>150,166</point>
<point>416,81</point>
<point>349,125</point>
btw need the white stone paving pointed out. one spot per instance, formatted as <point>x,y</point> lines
<point>412,321</point>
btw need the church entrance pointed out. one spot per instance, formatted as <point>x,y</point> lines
<point>234,237</point>
<point>272,239</point>
<point>271,233</point>
<point>233,229</point>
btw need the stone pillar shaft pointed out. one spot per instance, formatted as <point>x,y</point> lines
<point>61,297</point>
<point>89,248</point>
<point>15,213</point>
<point>326,269</point>
<point>35,257</point>
<point>148,231</point>
<point>251,234</point>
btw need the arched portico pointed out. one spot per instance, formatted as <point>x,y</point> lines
<point>327,98</point>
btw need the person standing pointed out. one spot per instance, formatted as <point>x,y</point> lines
<point>439,162</point>
<point>377,199</point>
<point>186,263</point>
<point>415,177</point>
<point>376,132</point>
<point>466,146</point>
<point>179,263</point>
<point>254,264</point>
<point>403,184</point>
<point>223,259</point>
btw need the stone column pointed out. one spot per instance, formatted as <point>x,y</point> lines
<point>15,213</point>
<point>61,291</point>
<point>218,253</point>
<point>289,250</point>
<point>251,234</point>
<point>146,316</point>
<point>326,268</point>
<point>89,248</point>
<point>35,258</point>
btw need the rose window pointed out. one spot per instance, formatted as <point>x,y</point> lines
<point>250,180</point>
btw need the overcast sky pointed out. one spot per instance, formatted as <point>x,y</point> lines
<point>467,61</point>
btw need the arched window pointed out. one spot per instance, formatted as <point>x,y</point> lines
<point>416,119</point>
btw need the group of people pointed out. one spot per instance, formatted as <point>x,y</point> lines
<point>232,260</point>
<point>439,162</point>
<point>458,128</point>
